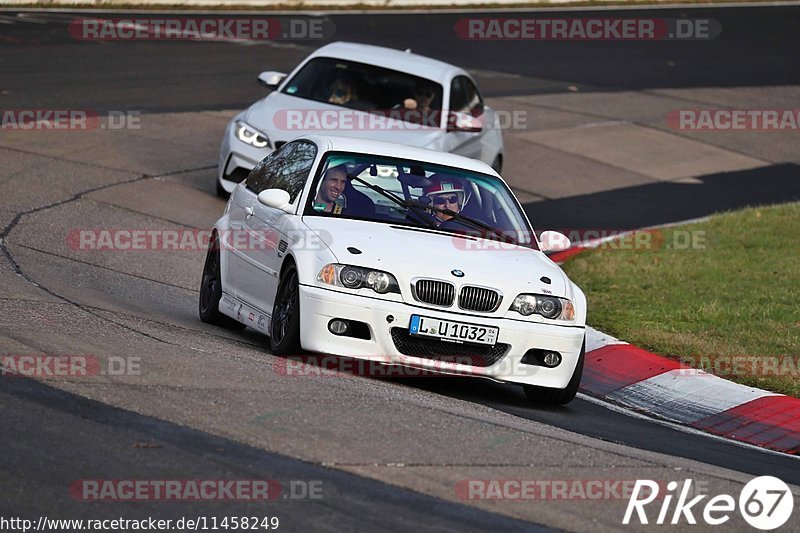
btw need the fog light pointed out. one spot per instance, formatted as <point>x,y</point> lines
<point>551,359</point>
<point>337,326</point>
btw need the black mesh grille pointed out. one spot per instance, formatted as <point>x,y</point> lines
<point>478,299</point>
<point>435,292</point>
<point>448,352</point>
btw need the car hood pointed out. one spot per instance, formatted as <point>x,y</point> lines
<point>283,117</point>
<point>409,253</point>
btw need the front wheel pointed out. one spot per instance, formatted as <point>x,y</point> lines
<point>221,192</point>
<point>563,396</point>
<point>285,328</point>
<point>497,165</point>
<point>211,290</point>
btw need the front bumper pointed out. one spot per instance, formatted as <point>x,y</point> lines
<point>318,306</point>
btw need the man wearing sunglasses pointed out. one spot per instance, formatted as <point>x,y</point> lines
<point>444,193</point>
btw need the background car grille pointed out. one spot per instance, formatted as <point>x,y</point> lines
<point>448,352</point>
<point>435,292</point>
<point>478,299</point>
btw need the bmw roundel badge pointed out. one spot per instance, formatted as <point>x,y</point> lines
<point>457,273</point>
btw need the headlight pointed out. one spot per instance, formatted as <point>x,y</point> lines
<point>546,306</point>
<point>249,135</point>
<point>353,277</point>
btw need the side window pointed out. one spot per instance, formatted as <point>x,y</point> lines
<point>260,175</point>
<point>464,97</point>
<point>288,170</point>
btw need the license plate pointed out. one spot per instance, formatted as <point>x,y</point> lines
<point>452,331</point>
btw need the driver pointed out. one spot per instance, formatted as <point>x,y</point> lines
<point>444,192</point>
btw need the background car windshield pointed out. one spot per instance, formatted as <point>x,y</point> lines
<point>367,88</point>
<point>480,197</point>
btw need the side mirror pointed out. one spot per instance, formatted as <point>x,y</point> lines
<point>457,121</point>
<point>271,79</point>
<point>276,199</point>
<point>553,241</point>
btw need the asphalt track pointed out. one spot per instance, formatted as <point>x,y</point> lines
<point>211,403</point>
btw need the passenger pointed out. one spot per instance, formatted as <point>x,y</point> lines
<point>330,196</point>
<point>419,107</point>
<point>424,94</point>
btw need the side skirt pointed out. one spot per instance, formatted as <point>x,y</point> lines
<point>244,313</point>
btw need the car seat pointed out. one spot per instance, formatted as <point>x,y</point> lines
<point>358,203</point>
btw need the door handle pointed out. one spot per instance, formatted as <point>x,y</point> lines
<point>249,211</point>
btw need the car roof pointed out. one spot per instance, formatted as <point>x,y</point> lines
<point>402,151</point>
<point>403,61</point>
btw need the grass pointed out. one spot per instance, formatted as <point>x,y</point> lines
<point>730,303</point>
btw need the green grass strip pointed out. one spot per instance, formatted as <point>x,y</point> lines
<point>723,294</point>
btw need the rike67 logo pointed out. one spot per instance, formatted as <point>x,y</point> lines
<point>765,503</point>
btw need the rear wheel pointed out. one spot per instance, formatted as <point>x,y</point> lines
<point>211,290</point>
<point>285,327</point>
<point>563,396</point>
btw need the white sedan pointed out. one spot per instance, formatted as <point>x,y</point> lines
<point>368,92</point>
<point>388,252</point>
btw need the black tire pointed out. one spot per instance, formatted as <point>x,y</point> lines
<point>284,336</point>
<point>497,165</point>
<point>211,290</point>
<point>563,396</point>
<point>221,192</point>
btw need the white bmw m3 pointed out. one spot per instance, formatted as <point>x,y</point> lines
<point>365,91</point>
<point>384,251</point>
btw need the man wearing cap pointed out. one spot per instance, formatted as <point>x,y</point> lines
<point>444,192</point>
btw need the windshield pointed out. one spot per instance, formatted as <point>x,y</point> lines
<point>368,88</point>
<point>412,193</point>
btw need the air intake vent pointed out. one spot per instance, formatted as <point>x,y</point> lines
<point>479,299</point>
<point>447,352</point>
<point>431,291</point>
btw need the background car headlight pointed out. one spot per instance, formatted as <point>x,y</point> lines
<point>547,306</point>
<point>353,277</point>
<point>249,135</point>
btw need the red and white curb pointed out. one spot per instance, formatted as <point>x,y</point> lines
<point>667,389</point>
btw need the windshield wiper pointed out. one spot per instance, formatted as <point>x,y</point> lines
<point>408,204</point>
<point>471,221</point>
